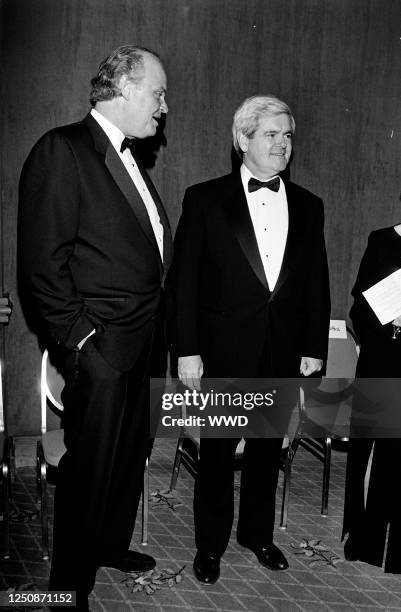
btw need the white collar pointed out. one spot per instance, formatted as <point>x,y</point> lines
<point>114,133</point>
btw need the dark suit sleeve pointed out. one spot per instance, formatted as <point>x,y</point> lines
<point>366,324</point>
<point>48,225</point>
<point>317,295</point>
<point>188,246</point>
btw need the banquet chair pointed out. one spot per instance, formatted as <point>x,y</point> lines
<point>50,448</point>
<point>324,414</point>
<point>6,462</point>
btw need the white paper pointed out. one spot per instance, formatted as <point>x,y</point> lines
<point>385,297</point>
<point>338,329</point>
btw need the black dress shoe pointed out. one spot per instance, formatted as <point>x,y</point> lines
<point>130,561</point>
<point>207,568</point>
<point>270,556</point>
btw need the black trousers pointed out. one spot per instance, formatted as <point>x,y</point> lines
<point>214,484</point>
<point>99,482</point>
<point>370,526</point>
<point>214,492</point>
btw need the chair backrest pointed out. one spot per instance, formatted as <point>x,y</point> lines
<point>342,356</point>
<point>329,405</point>
<point>51,385</point>
<point>341,363</point>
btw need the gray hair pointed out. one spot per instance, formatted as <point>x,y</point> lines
<point>125,60</point>
<point>248,115</point>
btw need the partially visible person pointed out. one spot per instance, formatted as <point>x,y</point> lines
<point>372,517</point>
<point>252,298</point>
<point>94,248</point>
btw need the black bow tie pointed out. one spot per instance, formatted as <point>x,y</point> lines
<point>128,143</point>
<point>254,184</point>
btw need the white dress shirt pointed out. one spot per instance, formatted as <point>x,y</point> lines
<point>269,214</point>
<point>116,137</point>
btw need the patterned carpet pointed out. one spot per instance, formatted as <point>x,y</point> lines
<point>318,579</point>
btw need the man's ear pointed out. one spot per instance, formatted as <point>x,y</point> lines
<point>243,142</point>
<point>125,87</point>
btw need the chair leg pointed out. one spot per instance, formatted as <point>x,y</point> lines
<point>41,463</point>
<point>289,458</point>
<point>326,476</point>
<point>6,508</point>
<point>145,504</point>
<point>294,447</point>
<point>38,455</point>
<point>11,466</point>
<point>177,464</point>
<point>286,492</point>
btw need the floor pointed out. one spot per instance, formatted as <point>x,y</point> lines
<point>318,579</point>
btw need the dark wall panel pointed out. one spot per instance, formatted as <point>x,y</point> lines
<point>336,62</point>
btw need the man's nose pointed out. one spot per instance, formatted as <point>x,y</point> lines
<point>281,141</point>
<point>164,107</point>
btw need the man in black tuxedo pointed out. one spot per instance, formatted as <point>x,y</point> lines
<point>252,300</point>
<point>95,246</point>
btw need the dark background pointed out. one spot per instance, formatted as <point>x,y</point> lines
<point>336,62</point>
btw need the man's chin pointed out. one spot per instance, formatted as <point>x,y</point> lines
<point>148,133</point>
<point>281,164</point>
<point>153,128</point>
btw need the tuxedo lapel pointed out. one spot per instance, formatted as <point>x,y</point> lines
<point>237,211</point>
<point>127,186</point>
<point>294,236</point>
<point>122,178</point>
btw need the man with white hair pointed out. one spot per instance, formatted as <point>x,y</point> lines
<point>252,296</point>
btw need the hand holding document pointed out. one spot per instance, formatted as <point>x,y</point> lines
<point>385,297</point>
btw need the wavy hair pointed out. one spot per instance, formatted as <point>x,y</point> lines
<point>125,60</point>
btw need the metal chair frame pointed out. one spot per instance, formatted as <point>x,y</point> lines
<point>47,398</point>
<point>321,443</point>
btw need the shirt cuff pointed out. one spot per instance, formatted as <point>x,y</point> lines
<point>82,342</point>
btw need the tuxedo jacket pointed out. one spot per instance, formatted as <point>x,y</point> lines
<point>87,251</point>
<point>225,310</point>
